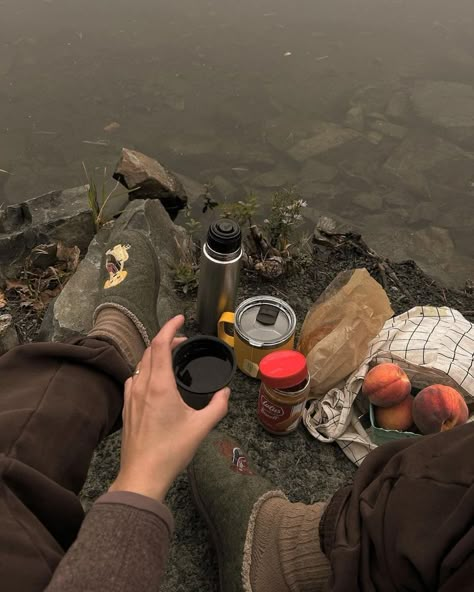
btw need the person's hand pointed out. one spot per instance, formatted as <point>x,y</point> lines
<point>160,432</point>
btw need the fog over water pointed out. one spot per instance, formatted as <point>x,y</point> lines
<point>239,94</point>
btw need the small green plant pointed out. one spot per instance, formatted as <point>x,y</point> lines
<point>284,217</point>
<point>242,211</point>
<point>98,196</point>
<point>186,277</point>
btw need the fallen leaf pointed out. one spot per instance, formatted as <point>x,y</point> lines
<point>17,285</point>
<point>70,255</point>
<point>3,300</point>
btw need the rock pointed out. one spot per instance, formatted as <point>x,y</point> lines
<point>374,137</point>
<point>428,165</point>
<point>72,311</point>
<point>447,105</point>
<point>398,106</point>
<point>369,201</point>
<point>375,97</point>
<point>397,198</point>
<point>328,138</point>
<point>56,216</point>
<point>276,178</point>
<point>434,243</point>
<point>150,180</point>
<point>355,118</point>
<point>193,189</point>
<point>8,334</point>
<point>391,130</point>
<point>314,170</point>
<point>425,211</point>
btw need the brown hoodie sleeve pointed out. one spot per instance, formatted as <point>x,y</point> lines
<point>407,521</point>
<point>122,545</point>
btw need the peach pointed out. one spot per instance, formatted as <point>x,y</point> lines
<point>386,385</point>
<point>398,417</point>
<point>438,408</point>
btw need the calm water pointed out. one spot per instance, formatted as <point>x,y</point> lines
<point>223,91</point>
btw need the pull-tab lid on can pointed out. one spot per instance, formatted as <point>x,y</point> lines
<point>284,369</point>
<point>224,236</point>
<point>265,321</point>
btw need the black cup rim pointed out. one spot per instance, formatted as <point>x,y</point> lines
<point>189,342</point>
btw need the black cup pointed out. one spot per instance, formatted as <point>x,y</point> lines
<point>202,365</point>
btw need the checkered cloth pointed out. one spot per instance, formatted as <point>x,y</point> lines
<point>433,346</point>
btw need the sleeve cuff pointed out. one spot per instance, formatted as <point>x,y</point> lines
<point>140,502</point>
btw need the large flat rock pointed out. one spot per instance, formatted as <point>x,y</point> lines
<point>71,313</point>
<point>56,216</point>
<point>447,105</point>
<point>327,139</point>
<point>429,166</point>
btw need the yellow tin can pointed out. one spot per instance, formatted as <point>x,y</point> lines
<point>262,325</point>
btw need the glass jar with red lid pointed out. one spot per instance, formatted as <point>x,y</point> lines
<point>283,392</point>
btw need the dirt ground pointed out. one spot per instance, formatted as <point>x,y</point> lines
<point>305,469</point>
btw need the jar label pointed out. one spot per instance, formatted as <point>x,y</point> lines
<point>278,417</point>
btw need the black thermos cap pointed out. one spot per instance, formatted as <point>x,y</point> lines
<point>224,236</point>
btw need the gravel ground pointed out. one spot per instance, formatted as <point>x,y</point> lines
<point>307,470</point>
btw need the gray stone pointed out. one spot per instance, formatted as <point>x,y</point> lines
<point>193,189</point>
<point>398,106</point>
<point>397,198</point>
<point>448,105</point>
<point>146,178</point>
<point>328,138</point>
<point>8,334</point>
<point>314,170</point>
<point>374,137</point>
<point>425,211</point>
<point>369,201</point>
<point>435,244</point>
<point>56,216</point>
<point>391,130</point>
<point>355,118</point>
<point>277,177</point>
<point>375,97</point>
<point>428,165</point>
<point>72,311</point>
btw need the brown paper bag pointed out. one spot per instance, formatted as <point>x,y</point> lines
<point>339,327</point>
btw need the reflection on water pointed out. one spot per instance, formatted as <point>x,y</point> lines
<point>366,107</point>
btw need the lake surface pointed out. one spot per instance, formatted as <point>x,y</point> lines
<point>253,96</point>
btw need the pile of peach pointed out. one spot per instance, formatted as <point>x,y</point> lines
<point>436,408</point>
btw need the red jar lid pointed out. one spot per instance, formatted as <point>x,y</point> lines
<point>283,369</point>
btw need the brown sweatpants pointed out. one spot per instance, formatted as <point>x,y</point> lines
<point>57,401</point>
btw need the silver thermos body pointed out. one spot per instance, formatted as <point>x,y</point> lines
<point>219,274</point>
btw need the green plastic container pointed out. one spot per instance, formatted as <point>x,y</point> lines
<point>380,436</point>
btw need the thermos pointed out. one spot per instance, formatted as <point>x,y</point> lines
<point>219,274</point>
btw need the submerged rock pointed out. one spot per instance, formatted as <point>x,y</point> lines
<point>369,201</point>
<point>447,105</point>
<point>146,178</point>
<point>355,118</point>
<point>72,311</point>
<point>392,130</point>
<point>327,138</point>
<point>428,165</point>
<point>398,106</point>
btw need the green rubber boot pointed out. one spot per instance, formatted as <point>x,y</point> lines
<point>229,493</point>
<point>130,281</point>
